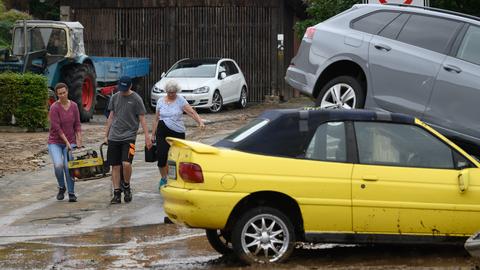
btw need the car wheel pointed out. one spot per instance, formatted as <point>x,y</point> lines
<point>263,235</point>
<point>220,241</point>
<point>242,102</point>
<point>217,102</point>
<point>342,92</point>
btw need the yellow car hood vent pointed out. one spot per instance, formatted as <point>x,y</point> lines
<point>194,146</point>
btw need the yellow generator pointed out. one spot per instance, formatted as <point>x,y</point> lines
<point>86,164</point>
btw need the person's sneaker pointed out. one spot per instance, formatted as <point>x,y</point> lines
<point>163,182</point>
<point>117,197</point>
<point>127,194</point>
<point>72,197</point>
<point>61,194</point>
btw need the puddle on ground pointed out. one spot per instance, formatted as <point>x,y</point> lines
<point>168,246</point>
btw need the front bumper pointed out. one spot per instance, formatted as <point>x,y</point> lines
<point>195,100</point>
<point>199,208</point>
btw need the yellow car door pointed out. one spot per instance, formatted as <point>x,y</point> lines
<point>326,201</point>
<point>409,181</point>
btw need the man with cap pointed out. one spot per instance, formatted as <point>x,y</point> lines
<point>126,112</point>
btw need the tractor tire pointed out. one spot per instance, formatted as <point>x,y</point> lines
<point>82,85</point>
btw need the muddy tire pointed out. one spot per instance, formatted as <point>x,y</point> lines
<point>220,241</point>
<point>343,92</point>
<point>217,102</point>
<point>242,101</point>
<point>82,85</point>
<point>263,235</point>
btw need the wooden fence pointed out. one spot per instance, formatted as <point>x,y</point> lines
<point>245,33</point>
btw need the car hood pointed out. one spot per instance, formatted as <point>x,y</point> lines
<point>187,83</point>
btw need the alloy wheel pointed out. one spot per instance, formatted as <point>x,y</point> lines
<point>265,238</point>
<point>339,96</point>
<point>216,102</point>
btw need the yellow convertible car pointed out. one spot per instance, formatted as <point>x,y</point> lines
<point>323,176</point>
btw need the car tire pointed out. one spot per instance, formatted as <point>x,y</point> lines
<point>242,101</point>
<point>220,241</point>
<point>217,102</point>
<point>352,94</point>
<point>263,224</point>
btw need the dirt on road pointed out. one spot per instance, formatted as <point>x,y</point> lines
<point>28,151</point>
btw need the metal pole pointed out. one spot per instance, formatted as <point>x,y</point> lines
<point>25,51</point>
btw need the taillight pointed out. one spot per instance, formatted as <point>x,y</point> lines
<point>310,32</point>
<point>191,172</point>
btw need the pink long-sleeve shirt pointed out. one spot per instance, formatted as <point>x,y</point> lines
<point>63,121</point>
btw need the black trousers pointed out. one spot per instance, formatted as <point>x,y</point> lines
<point>162,146</point>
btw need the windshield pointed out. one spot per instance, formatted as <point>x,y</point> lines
<point>54,40</point>
<point>188,69</point>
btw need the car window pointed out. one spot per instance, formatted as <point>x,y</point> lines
<point>328,143</point>
<point>400,145</point>
<point>373,22</point>
<point>247,130</point>
<point>394,27</point>
<point>470,47</point>
<point>194,69</point>
<point>232,69</point>
<point>429,32</point>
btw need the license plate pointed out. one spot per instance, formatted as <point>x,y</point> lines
<point>172,170</point>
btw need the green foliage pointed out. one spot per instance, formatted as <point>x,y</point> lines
<point>25,96</point>
<point>320,10</point>
<point>471,7</point>
<point>48,10</point>
<point>7,19</point>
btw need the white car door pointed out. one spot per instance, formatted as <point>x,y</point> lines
<point>227,83</point>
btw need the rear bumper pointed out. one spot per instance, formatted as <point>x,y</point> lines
<point>199,208</point>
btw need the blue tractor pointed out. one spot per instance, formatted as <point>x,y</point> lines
<point>56,50</point>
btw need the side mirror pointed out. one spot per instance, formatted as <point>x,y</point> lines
<point>463,180</point>
<point>163,75</point>
<point>223,75</point>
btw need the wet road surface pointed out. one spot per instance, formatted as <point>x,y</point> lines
<point>38,232</point>
<point>168,246</point>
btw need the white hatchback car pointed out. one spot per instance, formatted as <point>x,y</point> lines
<point>205,83</point>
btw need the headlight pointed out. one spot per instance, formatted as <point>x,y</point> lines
<point>157,90</point>
<point>201,90</point>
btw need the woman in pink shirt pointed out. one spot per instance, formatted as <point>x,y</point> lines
<point>65,134</point>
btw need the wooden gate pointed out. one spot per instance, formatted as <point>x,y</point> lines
<point>245,31</point>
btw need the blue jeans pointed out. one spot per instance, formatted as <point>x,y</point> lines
<point>59,155</point>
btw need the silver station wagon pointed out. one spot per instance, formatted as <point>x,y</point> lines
<point>415,60</point>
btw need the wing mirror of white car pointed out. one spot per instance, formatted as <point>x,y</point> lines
<point>223,75</point>
<point>163,75</point>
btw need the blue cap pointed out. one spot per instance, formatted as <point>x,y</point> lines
<point>124,83</point>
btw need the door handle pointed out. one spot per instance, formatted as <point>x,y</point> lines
<point>370,178</point>
<point>382,47</point>
<point>452,68</point>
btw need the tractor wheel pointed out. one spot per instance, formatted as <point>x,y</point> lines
<point>82,85</point>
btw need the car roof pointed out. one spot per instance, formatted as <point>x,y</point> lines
<point>339,115</point>
<point>425,10</point>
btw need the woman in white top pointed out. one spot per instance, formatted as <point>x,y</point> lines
<point>168,122</point>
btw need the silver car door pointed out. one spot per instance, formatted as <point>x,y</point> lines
<point>403,70</point>
<point>454,106</point>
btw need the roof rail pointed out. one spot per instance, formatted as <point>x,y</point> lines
<point>438,10</point>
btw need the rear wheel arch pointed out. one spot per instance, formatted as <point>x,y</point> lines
<point>277,200</point>
<point>340,68</point>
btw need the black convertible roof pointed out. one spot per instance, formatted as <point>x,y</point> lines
<point>339,115</point>
<point>288,130</point>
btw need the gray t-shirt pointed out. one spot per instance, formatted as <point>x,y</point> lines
<point>126,112</point>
